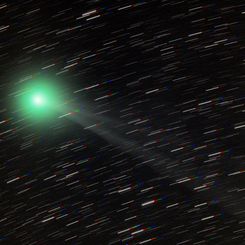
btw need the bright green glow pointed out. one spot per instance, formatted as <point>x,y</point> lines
<point>38,99</point>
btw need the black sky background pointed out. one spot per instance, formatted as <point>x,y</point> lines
<point>164,83</point>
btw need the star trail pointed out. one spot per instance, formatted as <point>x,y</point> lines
<point>122,122</point>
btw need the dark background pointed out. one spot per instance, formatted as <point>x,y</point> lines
<point>169,90</point>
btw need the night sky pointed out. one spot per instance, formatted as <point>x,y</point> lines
<point>146,145</point>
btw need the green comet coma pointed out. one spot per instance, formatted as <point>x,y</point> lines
<point>38,99</point>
